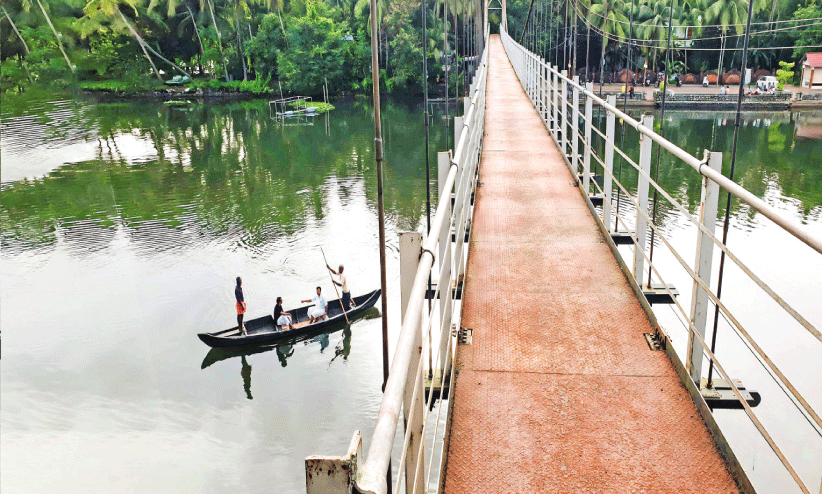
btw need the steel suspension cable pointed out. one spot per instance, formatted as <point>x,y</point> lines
<point>728,194</point>
<point>625,101</point>
<point>662,131</point>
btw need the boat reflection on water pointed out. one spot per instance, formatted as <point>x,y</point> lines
<point>285,350</point>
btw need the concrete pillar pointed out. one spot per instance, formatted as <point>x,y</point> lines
<point>587,146</point>
<point>555,109</point>
<point>642,199</point>
<point>575,127</point>
<point>608,159</point>
<point>709,196</point>
<point>410,250</point>
<point>334,474</point>
<point>563,107</point>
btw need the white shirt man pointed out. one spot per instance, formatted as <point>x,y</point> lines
<point>343,283</point>
<point>317,312</point>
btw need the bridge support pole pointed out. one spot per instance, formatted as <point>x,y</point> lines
<point>642,199</point>
<point>709,195</point>
<point>564,96</point>
<point>587,146</point>
<point>608,159</point>
<point>555,121</point>
<point>444,253</point>
<point>410,250</point>
<point>544,85</point>
<point>575,154</point>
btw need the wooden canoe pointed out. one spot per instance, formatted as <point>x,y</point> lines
<point>263,330</point>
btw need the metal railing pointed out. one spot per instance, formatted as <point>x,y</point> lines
<point>555,97</point>
<point>446,247</point>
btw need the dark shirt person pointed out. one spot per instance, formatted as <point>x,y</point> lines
<point>240,305</point>
<point>281,317</point>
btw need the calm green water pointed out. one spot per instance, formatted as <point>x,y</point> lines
<point>124,225</point>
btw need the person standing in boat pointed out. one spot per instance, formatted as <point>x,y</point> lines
<point>281,317</point>
<point>317,312</point>
<point>345,300</point>
<point>240,305</point>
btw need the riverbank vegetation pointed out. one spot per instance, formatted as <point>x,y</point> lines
<point>251,46</point>
<point>707,35</point>
<point>299,46</point>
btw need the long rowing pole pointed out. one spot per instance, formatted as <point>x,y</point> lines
<point>335,287</point>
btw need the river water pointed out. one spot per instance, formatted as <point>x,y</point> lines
<point>124,225</point>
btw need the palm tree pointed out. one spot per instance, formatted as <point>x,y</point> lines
<point>725,14</point>
<point>609,18</point>
<point>653,28</point>
<point>26,6</point>
<point>111,10</point>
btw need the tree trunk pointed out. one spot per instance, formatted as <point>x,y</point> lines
<point>283,28</point>
<point>654,62</point>
<point>588,48</point>
<point>602,65</point>
<point>145,46</point>
<point>199,39</point>
<point>25,46</point>
<point>720,61</point>
<point>219,41</point>
<point>56,36</point>
<point>239,30</point>
<point>141,43</point>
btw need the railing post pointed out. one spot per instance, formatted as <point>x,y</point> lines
<point>546,85</point>
<point>587,146</point>
<point>709,195</point>
<point>443,165</point>
<point>642,199</point>
<point>458,128</point>
<point>334,474</point>
<point>608,159</point>
<point>575,158</point>
<point>563,112</point>
<point>555,121</point>
<point>410,249</point>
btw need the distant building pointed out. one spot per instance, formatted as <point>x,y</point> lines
<point>812,70</point>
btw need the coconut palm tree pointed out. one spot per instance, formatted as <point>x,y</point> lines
<point>609,18</point>
<point>654,27</point>
<point>726,14</point>
<point>110,9</point>
<point>27,4</point>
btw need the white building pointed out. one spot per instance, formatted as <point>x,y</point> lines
<point>812,70</point>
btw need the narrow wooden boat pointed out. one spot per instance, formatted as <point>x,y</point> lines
<point>263,330</point>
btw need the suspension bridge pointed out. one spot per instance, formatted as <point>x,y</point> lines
<point>538,364</point>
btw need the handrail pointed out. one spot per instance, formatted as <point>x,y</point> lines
<point>371,477</point>
<point>540,83</point>
<point>730,186</point>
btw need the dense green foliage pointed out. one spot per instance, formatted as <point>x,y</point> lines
<point>227,45</point>
<point>706,34</point>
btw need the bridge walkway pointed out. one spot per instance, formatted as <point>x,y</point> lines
<point>558,390</point>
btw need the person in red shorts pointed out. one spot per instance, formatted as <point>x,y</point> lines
<point>240,304</point>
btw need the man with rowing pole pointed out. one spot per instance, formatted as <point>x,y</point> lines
<point>240,305</point>
<point>318,312</point>
<point>345,300</point>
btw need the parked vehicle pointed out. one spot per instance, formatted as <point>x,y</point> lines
<point>767,83</point>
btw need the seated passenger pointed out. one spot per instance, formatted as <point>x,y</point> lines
<point>318,312</point>
<point>281,318</point>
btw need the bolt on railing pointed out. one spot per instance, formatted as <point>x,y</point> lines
<point>546,85</point>
<point>405,389</point>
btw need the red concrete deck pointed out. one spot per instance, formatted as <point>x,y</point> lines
<point>558,391</point>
